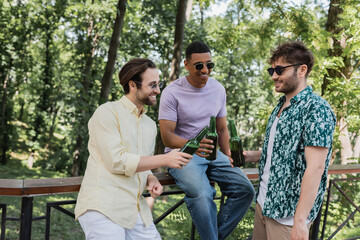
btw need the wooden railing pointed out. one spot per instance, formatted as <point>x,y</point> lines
<point>47,186</point>
<point>28,188</point>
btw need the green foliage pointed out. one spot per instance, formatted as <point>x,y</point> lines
<point>55,62</point>
<point>340,209</point>
<point>53,55</point>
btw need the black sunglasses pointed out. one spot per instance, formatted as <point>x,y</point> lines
<point>279,70</point>
<point>154,85</point>
<point>199,66</point>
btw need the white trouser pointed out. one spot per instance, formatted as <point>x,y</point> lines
<point>97,226</point>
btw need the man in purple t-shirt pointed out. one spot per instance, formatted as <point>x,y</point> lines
<point>186,106</point>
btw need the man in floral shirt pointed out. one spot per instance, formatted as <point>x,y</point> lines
<point>296,153</point>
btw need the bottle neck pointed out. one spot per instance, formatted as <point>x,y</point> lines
<point>233,132</point>
<point>212,125</point>
<point>202,134</point>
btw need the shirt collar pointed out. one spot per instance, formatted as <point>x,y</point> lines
<point>301,95</point>
<point>131,106</point>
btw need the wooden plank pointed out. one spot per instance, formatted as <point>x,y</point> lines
<point>11,187</point>
<point>165,178</point>
<point>251,173</point>
<point>51,185</point>
<point>344,169</point>
<point>28,187</point>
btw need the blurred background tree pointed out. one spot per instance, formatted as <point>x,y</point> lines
<point>55,55</point>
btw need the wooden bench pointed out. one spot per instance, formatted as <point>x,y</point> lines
<point>28,188</point>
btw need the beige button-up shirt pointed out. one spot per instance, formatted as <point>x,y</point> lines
<point>118,137</point>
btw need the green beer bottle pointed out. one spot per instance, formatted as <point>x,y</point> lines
<point>236,146</point>
<point>192,145</point>
<point>213,136</point>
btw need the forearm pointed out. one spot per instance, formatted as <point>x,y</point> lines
<point>252,156</point>
<point>223,140</point>
<point>151,179</point>
<point>151,162</point>
<point>173,141</point>
<point>315,161</point>
<point>308,193</point>
<point>168,136</point>
<point>172,159</point>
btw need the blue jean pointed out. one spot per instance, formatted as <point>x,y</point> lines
<point>194,178</point>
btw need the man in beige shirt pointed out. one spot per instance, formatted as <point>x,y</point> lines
<point>110,204</point>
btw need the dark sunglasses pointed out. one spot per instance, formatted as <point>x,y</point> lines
<point>199,66</point>
<point>154,85</point>
<point>279,70</point>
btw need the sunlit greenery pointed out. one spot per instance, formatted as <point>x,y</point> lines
<point>51,66</point>
<point>52,59</point>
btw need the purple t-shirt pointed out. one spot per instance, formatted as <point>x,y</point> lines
<point>191,107</point>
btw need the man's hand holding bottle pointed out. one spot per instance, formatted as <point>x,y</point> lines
<point>176,159</point>
<point>206,147</point>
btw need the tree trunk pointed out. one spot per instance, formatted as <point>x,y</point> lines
<point>356,153</point>
<point>178,41</point>
<point>188,9</point>
<point>30,161</point>
<point>336,50</point>
<point>86,82</point>
<point>44,106</point>
<point>89,53</point>
<point>75,169</point>
<point>3,135</point>
<point>52,128</point>
<point>344,72</point>
<point>114,44</point>
<point>344,138</point>
<point>21,112</point>
<point>202,15</point>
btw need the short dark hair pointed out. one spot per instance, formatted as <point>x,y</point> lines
<point>132,70</point>
<point>196,47</point>
<point>294,52</point>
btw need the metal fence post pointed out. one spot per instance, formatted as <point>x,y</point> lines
<point>47,219</point>
<point>26,218</point>
<point>316,225</point>
<point>3,221</point>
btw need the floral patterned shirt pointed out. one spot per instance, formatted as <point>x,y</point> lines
<point>307,121</point>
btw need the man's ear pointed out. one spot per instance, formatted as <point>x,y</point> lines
<point>302,70</point>
<point>132,85</point>
<point>186,64</point>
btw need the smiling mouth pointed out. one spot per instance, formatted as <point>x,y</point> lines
<point>152,97</point>
<point>277,83</point>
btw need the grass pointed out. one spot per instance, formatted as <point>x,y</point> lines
<point>176,226</point>
<point>62,226</point>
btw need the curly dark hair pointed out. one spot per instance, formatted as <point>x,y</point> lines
<point>294,52</point>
